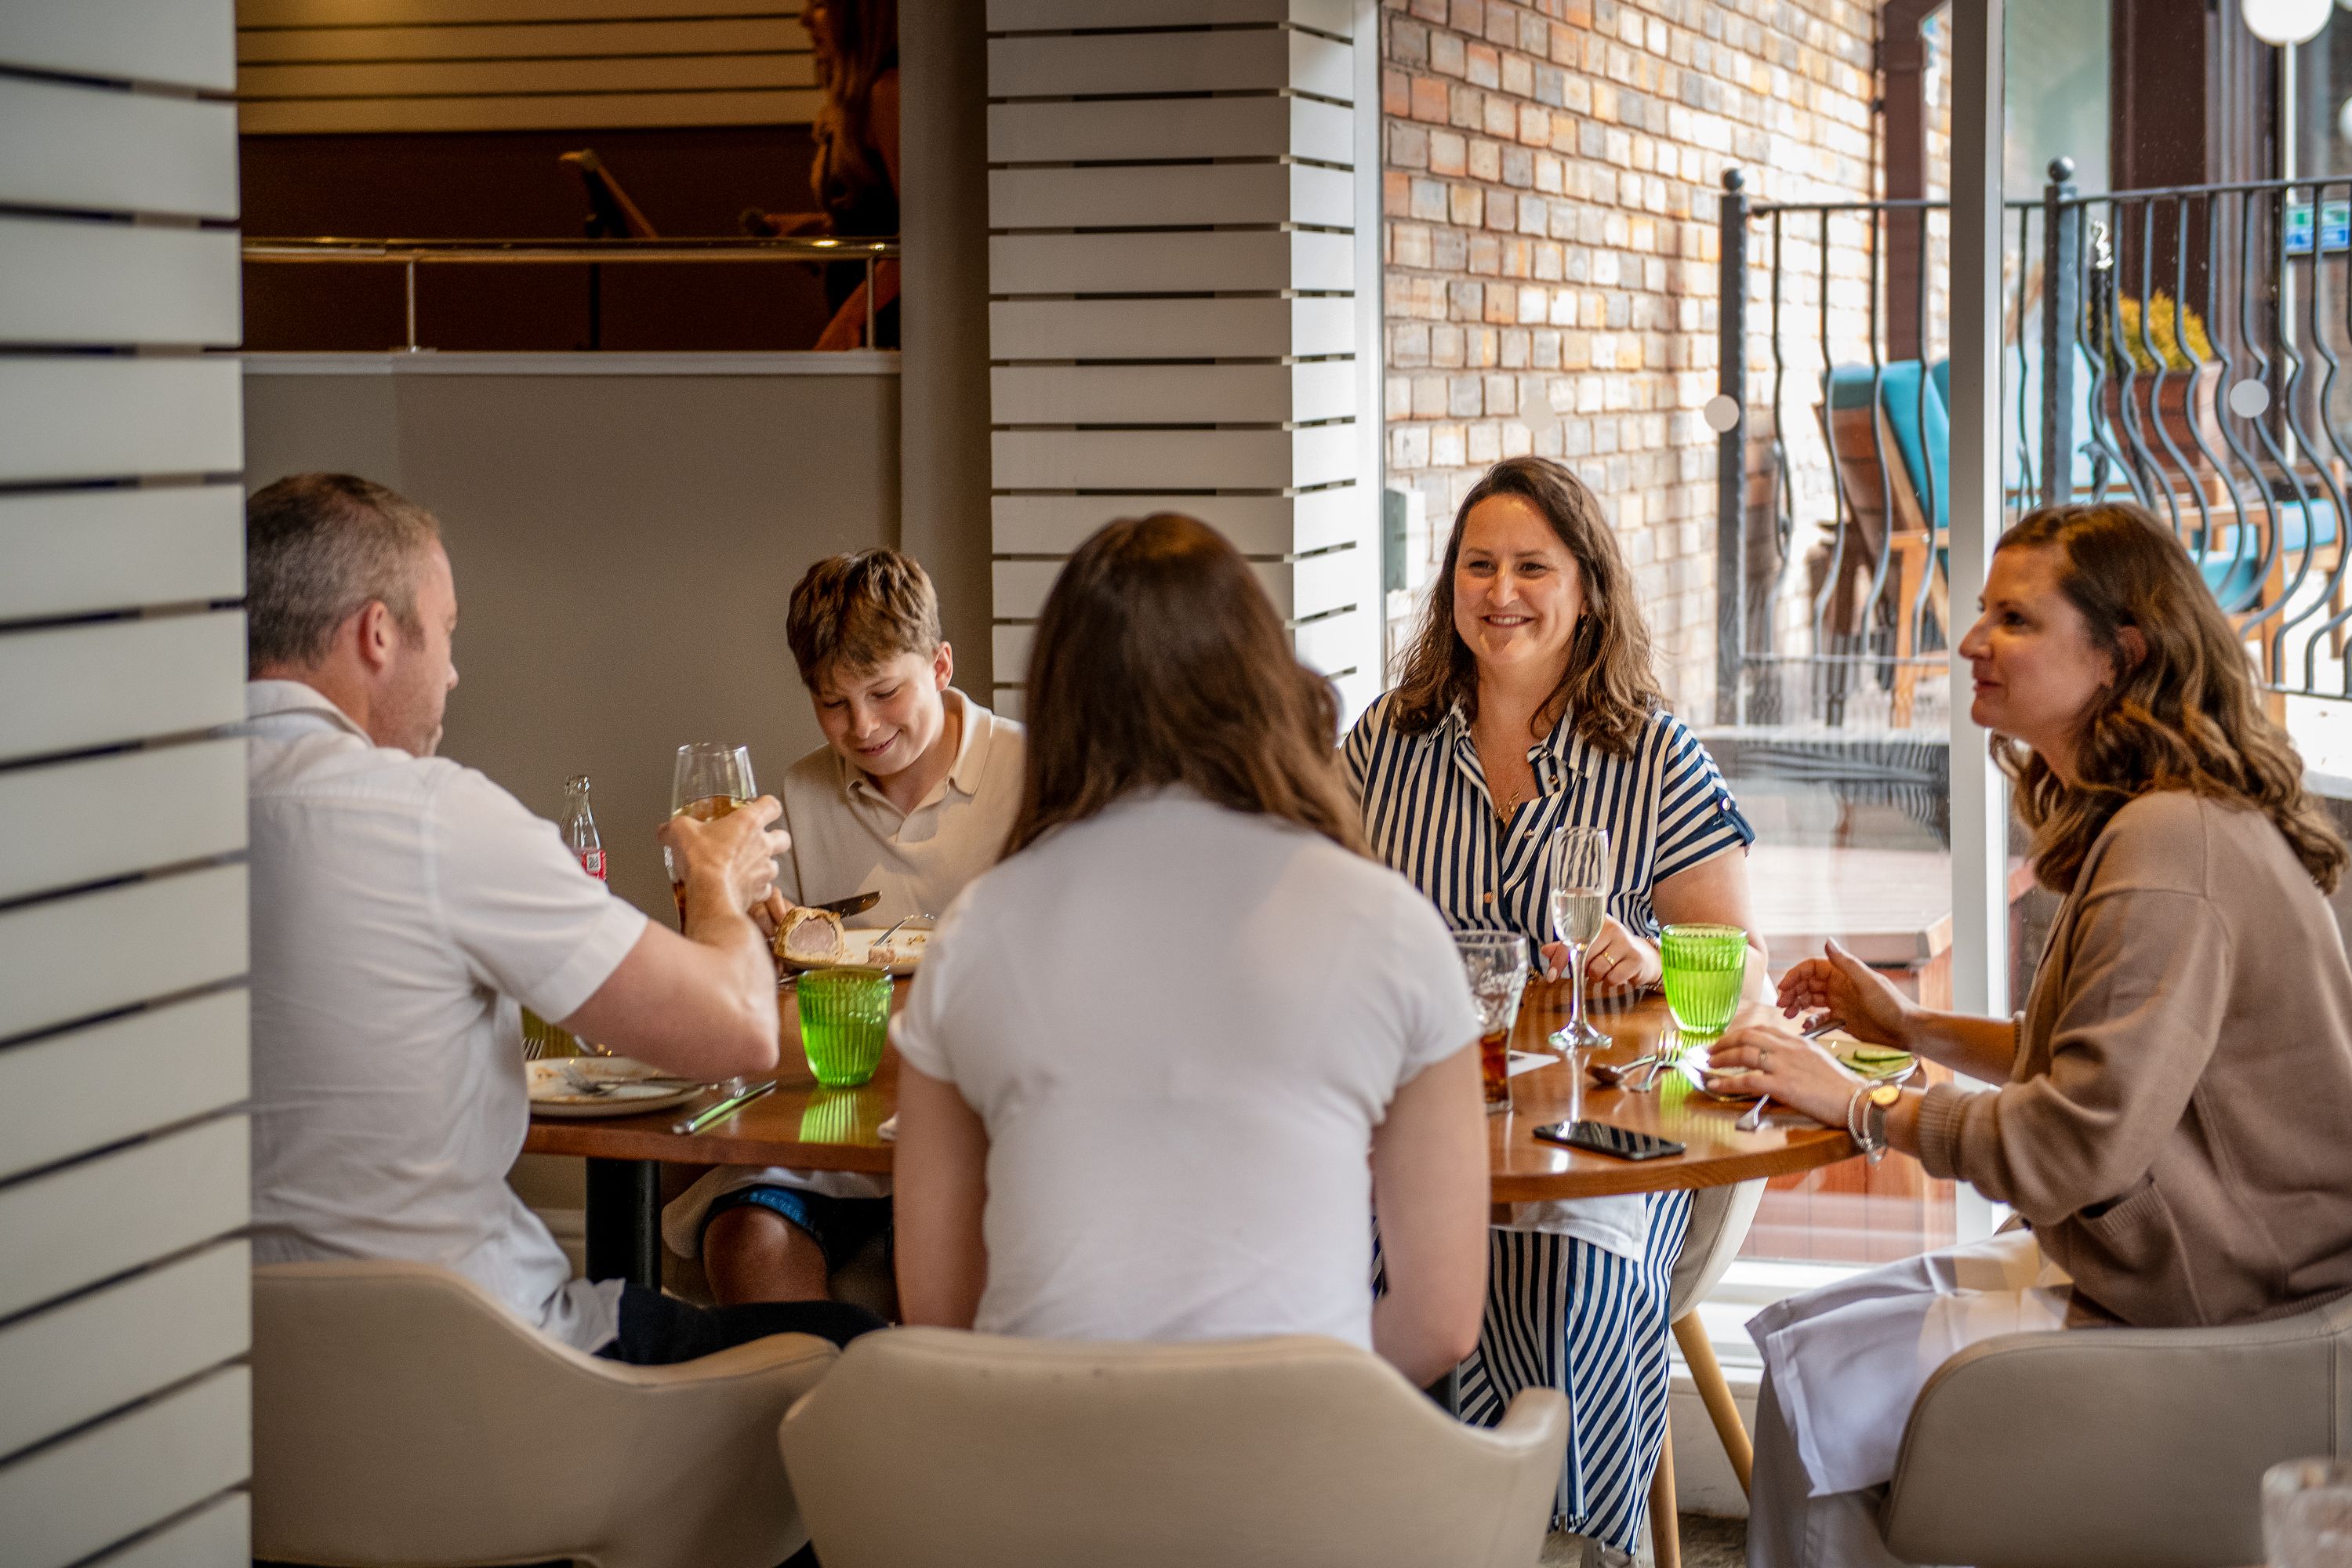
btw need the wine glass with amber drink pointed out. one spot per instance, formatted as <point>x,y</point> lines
<point>711,780</point>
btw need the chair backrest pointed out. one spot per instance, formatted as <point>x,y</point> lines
<point>928,1446</point>
<point>1720,1218</point>
<point>402,1416</point>
<point>2116,1447</point>
<point>1916,417</point>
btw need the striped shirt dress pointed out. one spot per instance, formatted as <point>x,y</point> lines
<point>1575,1291</point>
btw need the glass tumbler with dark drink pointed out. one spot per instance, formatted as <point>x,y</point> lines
<point>1496,963</point>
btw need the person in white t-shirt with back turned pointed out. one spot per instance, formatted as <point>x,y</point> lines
<point>405,908</point>
<point>1162,1063</point>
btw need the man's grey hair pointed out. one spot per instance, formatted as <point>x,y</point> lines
<point>320,547</point>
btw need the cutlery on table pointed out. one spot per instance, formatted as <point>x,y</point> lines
<point>856,904</point>
<point>931,922</point>
<point>727,1106</point>
<point>1611,1076</point>
<point>596,1085</point>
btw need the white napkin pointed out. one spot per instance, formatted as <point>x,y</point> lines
<point>888,1131</point>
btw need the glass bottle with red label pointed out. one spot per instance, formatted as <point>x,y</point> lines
<point>579,827</point>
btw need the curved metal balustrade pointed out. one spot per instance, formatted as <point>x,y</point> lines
<point>2177,347</point>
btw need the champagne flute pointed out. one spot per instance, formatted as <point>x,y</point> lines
<point>710,779</point>
<point>1580,897</point>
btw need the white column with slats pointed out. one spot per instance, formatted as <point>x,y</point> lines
<point>1174,283</point>
<point>125,1281</point>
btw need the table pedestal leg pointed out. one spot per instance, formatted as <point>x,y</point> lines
<point>625,1221</point>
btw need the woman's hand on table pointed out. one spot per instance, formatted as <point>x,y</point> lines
<point>1801,1074</point>
<point>1617,959</point>
<point>1852,996</point>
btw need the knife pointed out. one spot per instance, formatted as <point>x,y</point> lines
<point>728,1107</point>
<point>856,904</point>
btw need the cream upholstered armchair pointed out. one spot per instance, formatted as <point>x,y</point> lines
<point>2116,1447</point>
<point>402,1416</point>
<point>930,1446</point>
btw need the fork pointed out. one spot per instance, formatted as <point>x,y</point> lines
<point>931,922</point>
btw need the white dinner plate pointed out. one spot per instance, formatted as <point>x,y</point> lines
<point>553,1091</point>
<point>909,945</point>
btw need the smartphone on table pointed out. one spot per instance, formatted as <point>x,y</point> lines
<point>1617,1143</point>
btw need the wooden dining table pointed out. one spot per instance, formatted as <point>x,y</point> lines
<point>805,1126</point>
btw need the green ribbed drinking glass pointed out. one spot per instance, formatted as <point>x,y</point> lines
<point>1705,967</point>
<point>845,1021</point>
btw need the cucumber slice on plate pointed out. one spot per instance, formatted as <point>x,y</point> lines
<point>1879,1061</point>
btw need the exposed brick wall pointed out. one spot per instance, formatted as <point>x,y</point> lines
<point>1550,187</point>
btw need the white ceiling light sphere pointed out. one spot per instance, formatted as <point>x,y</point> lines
<point>2344,113</point>
<point>2286,21</point>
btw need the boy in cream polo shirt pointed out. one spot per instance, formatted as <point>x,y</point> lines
<point>911,796</point>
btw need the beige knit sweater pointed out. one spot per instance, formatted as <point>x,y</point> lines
<point>2178,1125</point>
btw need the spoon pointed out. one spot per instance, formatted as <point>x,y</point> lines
<point>1610,1075</point>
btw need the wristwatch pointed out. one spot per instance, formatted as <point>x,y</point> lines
<point>1865,1118</point>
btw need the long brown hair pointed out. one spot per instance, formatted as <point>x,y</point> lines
<point>865,45</point>
<point>2185,716</point>
<point>1609,690</point>
<point>1159,660</point>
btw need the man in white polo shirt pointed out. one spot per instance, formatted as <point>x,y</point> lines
<point>405,909</point>
<point>910,797</point>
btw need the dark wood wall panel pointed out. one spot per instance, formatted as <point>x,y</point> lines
<point>509,184</point>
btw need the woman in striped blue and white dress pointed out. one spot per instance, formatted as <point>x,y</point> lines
<point>1528,704</point>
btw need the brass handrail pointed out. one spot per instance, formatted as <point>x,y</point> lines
<point>728,248</point>
<point>408,254</point>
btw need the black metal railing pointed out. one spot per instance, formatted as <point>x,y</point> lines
<point>1840,614</point>
<point>2178,347</point>
<point>2189,359</point>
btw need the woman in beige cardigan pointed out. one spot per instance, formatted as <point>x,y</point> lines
<point>2174,1097</point>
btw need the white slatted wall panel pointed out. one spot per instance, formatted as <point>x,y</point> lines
<point>1173,319</point>
<point>333,66</point>
<point>124,1426</point>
